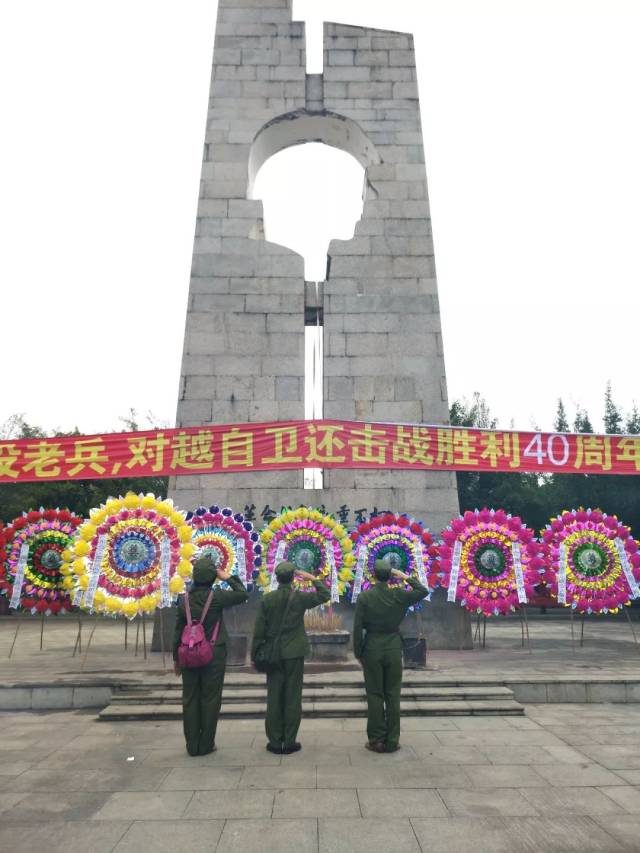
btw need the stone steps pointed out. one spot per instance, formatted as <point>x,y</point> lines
<point>162,701</point>
<point>506,707</point>
<point>252,695</point>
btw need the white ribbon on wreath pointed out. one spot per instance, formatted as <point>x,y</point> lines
<point>331,559</point>
<point>95,572</point>
<point>562,574</point>
<point>455,571</point>
<point>357,584</point>
<point>19,576</point>
<point>165,564</point>
<point>282,547</point>
<point>517,570</point>
<point>626,568</point>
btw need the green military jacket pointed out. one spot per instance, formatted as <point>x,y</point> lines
<point>381,609</point>
<point>222,598</point>
<point>294,642</point>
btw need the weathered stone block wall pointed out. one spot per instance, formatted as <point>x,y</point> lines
<point>243,357</point>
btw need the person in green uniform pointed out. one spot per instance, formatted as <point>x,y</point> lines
<point>284,678</point>
<point>377,645</point>
<point>202,687</point>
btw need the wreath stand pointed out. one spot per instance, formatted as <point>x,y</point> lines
<point>480,631</point>
<point>582,618</point>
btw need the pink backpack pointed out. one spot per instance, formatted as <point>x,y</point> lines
<point>195,650</point>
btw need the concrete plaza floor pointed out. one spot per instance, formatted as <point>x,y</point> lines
<point>563,778</point>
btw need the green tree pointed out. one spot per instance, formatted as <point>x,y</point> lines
<point>612,415</point>
<point>632,424</point>
<point>581,422</point>
<point>561,424</point>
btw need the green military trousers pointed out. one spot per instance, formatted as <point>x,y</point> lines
<point>284,701</point>
<point>201,699</point>
<point>382,664</point>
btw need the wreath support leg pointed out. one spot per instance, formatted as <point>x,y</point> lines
<point>162,638</point>
<point>144,637</point>
<point>126,634</point>
<point>573,638</point>
<point>77,648</point>
<point>135,654</point>
<point>582,632</point>
<point>41,630</point>
<point>628,615</point>
<point>86,651</point>
<point>524,621</point>
<point>15,637</point>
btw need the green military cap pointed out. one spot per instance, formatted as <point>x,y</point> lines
<point>382,570</point>
<point>204,570</point>
<point>285,568</point>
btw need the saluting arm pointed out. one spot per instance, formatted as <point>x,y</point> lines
<point>414,595</point>
<point>320,596</point>
<point>236,595</point>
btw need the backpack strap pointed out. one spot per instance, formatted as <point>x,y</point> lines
<point>187,608</point>
<point>205,609</point>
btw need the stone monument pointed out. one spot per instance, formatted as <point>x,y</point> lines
<point>248,303</point>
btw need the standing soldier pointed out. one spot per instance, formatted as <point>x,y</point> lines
<point>280,620</point>
<point>202,687</point>
<point>377,645</point>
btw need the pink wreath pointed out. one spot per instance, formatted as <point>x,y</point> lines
<point>592,563</point>
<point>490,561</point>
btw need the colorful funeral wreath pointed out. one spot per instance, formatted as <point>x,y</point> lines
<point>34,557</point>
<point>399,540</point>
<point>592,561</point>
<point>229,539</point>
<point>313,541</point>
<point>490,561</point>
<point>131,556</point>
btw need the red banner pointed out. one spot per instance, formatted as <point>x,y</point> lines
<point>313,444</point>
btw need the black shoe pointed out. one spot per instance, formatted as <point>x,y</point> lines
<point>392,747</point>
<point>208,751</point>
<point>292,747</point>
<point>276,748</point>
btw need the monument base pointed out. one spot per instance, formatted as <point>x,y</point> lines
<point>330,648</point>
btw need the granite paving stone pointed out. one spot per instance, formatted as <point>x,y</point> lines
<point>577,801</point>
<point>202,778</point>
<point>573,775</point>
<point>230,804</point>
<point>505,776</point>
<point>469,835</point>
<point>292,776</point>
<point>482,802</point>
<point>269,836</point>
<point>628,797</point>
<point>96,779</point>
<point>169,836</point>
<point>64,806</point>
<point>624,828</point>
<point>70,837</point>
<point>138,805</point>
<point>361,835</point>
<point>340,802</point>
<point>408,802</point>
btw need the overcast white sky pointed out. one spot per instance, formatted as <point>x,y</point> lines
<point>532,134</point>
